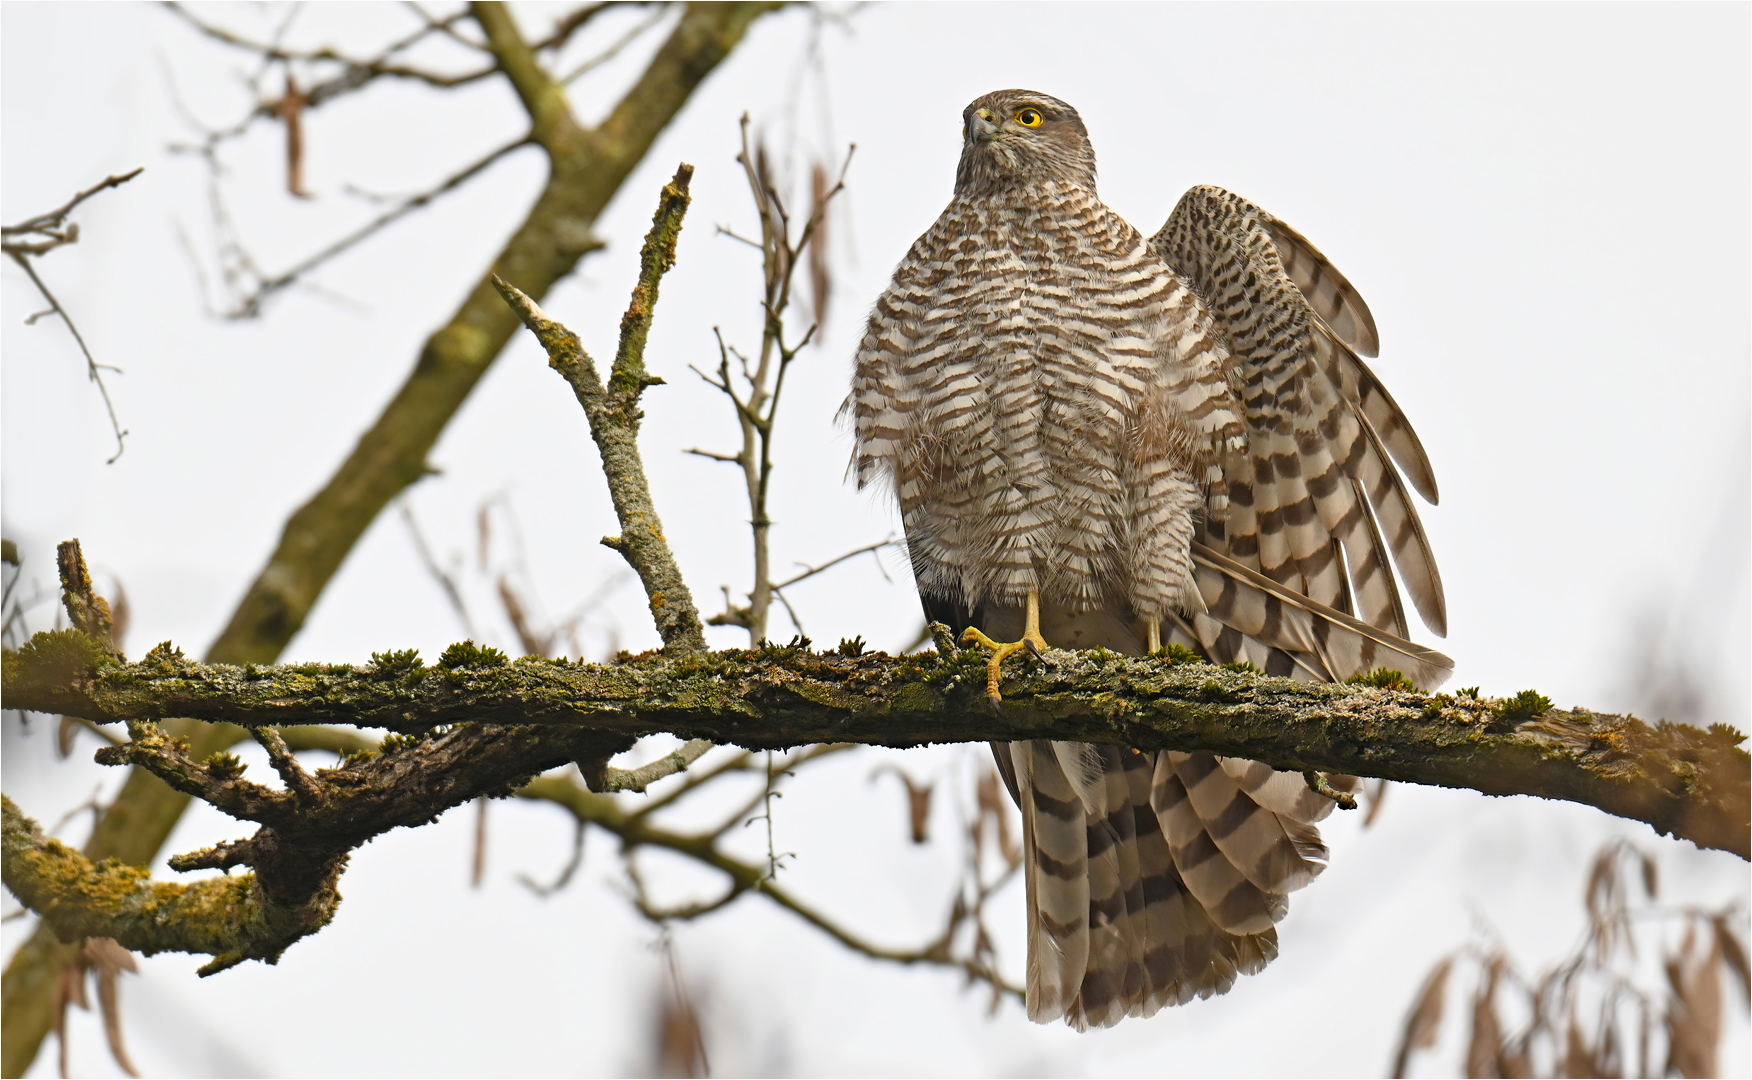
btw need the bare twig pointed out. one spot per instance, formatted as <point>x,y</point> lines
<point>566,872</point>
<point>614,49</point>
<point>356,73</point>
<point>251,298</point>
<point>756,402</point>
<point>1320,785</point>
<point>51,230</point>
<point>635,831</point>
<point>811,571</point>
<point>48,225</point>
<point>446,580</point>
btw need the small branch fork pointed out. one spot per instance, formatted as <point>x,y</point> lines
<point>614,415</point>
<point>37,236</point>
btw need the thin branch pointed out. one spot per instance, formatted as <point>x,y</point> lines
<point>742,762</point>
<point>43,224</point>
<point>355,72</point>
<point>757,409</point>
<point>91,365</point>
<point>49,227</point>
<point>446,581</point>
<point>566,872</point>
<point>637,780</point>
<point>615,49</point>
<point>635,832</point>
<point>811,571</point>
<point>297,781</point>
<point>574,20</point>
<point>251,302</point>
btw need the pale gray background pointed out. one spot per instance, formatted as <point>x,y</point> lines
<point>1546,208</point>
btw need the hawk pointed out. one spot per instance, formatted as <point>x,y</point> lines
<point>1102,439</point>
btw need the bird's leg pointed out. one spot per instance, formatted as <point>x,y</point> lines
<point>1152,634</point>
<point>1030,640</point>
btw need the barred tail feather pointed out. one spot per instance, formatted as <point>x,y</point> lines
<point>1234,903</point>
<point>1055,871</point>
<point>1399,525</point>
<point>1286,794</point>
<point>1277,855</point>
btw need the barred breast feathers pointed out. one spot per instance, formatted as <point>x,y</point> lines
<point>1048,401</point>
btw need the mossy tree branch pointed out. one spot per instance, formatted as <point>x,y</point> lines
<point>1690,783</point>
<point>228,918</point>
<point>614,415</point>
<point>307,831</point>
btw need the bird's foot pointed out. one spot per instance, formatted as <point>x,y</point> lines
<point>1000,650</point>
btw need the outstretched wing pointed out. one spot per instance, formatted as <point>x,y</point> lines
<point>1316,500</point>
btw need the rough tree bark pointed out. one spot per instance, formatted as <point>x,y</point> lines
<point>478,724</point>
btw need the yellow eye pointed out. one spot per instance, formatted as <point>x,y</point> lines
<point>1029,118</point>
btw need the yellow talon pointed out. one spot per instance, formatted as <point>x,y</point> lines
<point>1030,640</point>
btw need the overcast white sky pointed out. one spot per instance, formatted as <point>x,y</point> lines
<point>1545,206</point>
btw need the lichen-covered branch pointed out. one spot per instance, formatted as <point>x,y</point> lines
<point>614,415</point>
<point>1683,781</point>
<point>228,918</point>
<point>89,612</point>
<point>307,830</point>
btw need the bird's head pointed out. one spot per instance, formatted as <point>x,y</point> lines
<point>1014,138</point>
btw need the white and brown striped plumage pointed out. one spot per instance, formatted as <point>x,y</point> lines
<point>1175,429</point>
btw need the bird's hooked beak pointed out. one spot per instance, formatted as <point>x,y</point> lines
<point>980,127</point>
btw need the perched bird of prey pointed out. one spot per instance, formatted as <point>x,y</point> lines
<point>1102,439</point>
